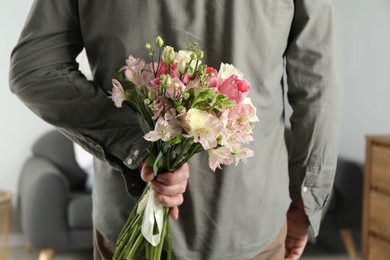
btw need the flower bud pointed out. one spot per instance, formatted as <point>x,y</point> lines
<point>151,95</point>
<point>168,55</point>
<point>175,85</point>
<point>146,101</point>
<point>193,56</point>
<point>166,81</point>
<point>148,46</point>
<point>186,95</point>
<point>200,55</point>
<point>159,41</point>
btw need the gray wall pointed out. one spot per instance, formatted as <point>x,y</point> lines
<point>365,40</point>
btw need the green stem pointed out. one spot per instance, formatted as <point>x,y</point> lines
<point>169,240</point>
<point>141,249</point>
<point>160,245</point>
<point>159,60</point>
<point>147,250</point>
<point>130,255</point>
<point>130,230</point>
<point>128,246</point>
<point>179,156</point>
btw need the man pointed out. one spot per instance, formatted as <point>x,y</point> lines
<point>240,211</point>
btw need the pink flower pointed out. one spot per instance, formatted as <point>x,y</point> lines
<point>174,92</point>
<point>157,106</point>
<point>251,114</point>
<point>234,88</point>
<point>154,84</point>
<point>133,70</point>
<point>118,94</point>
<point>174,71</point>
<point>164,130</point>
<point>238,123</point>
<point>135,64</point>
<point>221,155</point>
<point>212,78</point>
<point>163,69</point>
<point>186,79</point>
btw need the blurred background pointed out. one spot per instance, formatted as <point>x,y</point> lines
<point>365,42</point>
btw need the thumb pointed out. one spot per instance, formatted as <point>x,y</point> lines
<point>146,172</point>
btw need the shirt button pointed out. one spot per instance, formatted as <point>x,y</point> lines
<point>305,189</point>
<point>136,152</point>
<point>129,161</point>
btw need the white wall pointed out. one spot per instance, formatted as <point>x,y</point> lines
<point>365,42</point>
<point>19,127</point>
<point>365,35</point>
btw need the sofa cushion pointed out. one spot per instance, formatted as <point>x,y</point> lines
<point>58,149</point>
<point>80,211</point>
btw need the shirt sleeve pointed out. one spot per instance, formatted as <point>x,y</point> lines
<point>44,75</point>
<point>314,93</point>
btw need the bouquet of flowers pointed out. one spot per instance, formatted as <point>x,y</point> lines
<point>184,107</point>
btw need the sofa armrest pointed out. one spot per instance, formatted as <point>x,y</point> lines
<point>348,188</point>
<point>44,192</point>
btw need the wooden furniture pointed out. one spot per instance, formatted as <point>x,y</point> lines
<point>376,201</point>
<point>349,244</point>
<point>5,216</point>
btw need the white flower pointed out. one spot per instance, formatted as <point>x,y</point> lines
<point>204,127</point>
<point>164,130</point>
<point>226,70</point>
<point>242,154</point>
<point>183,58</point>
<point>221,155</point>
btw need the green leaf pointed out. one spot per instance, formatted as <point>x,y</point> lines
<point>158,163</point>
<point>143,123</point>
<point>173,141</point>
<point>223,102</point>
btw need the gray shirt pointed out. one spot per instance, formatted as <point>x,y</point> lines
<point>235,212</point>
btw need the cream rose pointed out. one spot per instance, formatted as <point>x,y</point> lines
<point>226,70</point>
<point>183,58</point>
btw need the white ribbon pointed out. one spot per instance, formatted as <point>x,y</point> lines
<point>153,215</point>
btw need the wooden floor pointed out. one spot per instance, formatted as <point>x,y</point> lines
<point>20,254</point>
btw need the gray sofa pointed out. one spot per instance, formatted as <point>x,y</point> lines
<point>341,226</point>
<point>54,207</point>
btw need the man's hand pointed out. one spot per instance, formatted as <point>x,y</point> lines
<point>297,230</point>
<point>169,187</point>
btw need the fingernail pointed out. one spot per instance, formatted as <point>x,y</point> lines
<point>160,199</point>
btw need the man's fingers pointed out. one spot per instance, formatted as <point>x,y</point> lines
<point>169,187</point>
<point>169,190</point>
<point>174,213</point>
<point>170,201</point>
<point>171,178</point>
<point>293,254</point>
